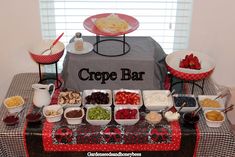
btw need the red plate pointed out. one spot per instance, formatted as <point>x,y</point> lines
<point>90,26</point>
<point>173,61</point>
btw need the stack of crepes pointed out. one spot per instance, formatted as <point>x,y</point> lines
<point>111,24</point>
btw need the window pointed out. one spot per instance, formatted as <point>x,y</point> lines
<point>166,21</point>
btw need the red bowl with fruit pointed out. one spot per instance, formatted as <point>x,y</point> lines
<point>126,97</point>
<point>41,56</point>
<point>126,115</point>
<point>188,65</point>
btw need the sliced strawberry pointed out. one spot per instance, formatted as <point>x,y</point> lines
<point>190,56</point>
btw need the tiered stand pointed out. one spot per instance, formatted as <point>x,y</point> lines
<point>117,37</point>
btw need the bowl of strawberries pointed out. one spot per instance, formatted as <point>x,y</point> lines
<point>190,61</point>
<point>127,97</point>
<point>126,115</point>
<point>189,65</point>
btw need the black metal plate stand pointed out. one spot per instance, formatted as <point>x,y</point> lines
<point>56,78</point>
<point>181,82</point>
<point>124,44</point>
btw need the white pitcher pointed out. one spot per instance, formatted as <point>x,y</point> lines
<point>41,96</point>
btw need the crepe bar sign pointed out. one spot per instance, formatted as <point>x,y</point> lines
<point>85,74</point>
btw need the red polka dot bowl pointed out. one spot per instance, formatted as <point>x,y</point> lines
<point>40,54</point>
<point>173,61</point>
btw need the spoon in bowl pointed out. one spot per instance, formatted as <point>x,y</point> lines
<point>171,93</point>
<point>17,114</point>
<point>61,107</point>
<point>183,105</point>
<point>38,111</point>
<point>221,95</point>
<point>229,108</point>
<point>194,113</point>
<point>53,44</point>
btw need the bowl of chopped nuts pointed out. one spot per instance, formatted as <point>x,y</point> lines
<point>153,117</point>
<point>70,98</point>
<point>53,113</point>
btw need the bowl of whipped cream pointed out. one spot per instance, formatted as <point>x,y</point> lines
<point>156,100</point>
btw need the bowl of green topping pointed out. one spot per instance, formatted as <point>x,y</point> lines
<point>98,115</point>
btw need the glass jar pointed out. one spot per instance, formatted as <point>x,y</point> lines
<point>78,42</point>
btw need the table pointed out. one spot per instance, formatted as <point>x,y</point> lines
<point>26,140</point>
<point>142,68</point>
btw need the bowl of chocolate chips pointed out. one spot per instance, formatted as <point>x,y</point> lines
<point>74,115</point>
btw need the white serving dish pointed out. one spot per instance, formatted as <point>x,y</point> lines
<point>214,124</point>
<point>67,104</point>
<point>186,109</point>
<point>77,120</point>
<point>153,114</point>
<point>207,63</point>
<point>126,121</point>
<point>89,92</point>
<point>98,122</point>
<point>14,109</point>
<point>128,90</point>
<point>221,101</point>
<point>53,118</point>
<point>171,116</point>
<point>155,100</point>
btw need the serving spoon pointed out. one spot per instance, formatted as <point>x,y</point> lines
<point>184,104</point>
<point>229,108</point>
<point>171,93</point>
<point>38,111</point>
<point>221,95</point>
<point>194,113</point>
<point>17,114</point>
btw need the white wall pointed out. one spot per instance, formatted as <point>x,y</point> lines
<point>213,32</point>
<point>19,30</point>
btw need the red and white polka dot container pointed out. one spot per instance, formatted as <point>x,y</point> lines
<point>173,61</point>
<point>39,55</point>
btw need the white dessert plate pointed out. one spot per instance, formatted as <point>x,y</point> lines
<point>87,47</point>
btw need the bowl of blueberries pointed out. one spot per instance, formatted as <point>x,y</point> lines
<point>189,100</point>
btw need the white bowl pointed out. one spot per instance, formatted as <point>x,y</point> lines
<point>153,117</point>
<point>211,123</point>
<point>68,95</point>
<point>126,121</point>
<point>186,109</point>
<point>171,116</point>
<point>39,54</point>
<point>207,63</point>
<point>89,92</point>
<point>17,100</point>
<point>54,108</point>
<point>127,104</point>
<point>155,100</point>
<point>98,122</point>
<point>221,101</point>
<point>76,120</point>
